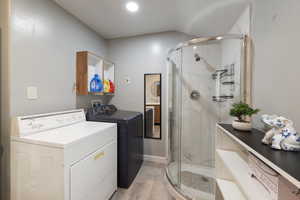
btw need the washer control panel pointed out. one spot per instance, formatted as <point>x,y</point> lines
<point>37,123</point>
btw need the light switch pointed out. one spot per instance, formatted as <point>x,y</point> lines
<point>32,93</point>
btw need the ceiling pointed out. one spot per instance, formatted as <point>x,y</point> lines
<point>110,19</point>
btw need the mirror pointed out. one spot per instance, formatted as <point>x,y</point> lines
<point>152,105</point>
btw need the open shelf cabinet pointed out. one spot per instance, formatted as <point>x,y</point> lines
<point>94,75</point>
<point>248,169</point>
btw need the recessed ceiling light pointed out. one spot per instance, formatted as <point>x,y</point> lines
<point>132,6</point>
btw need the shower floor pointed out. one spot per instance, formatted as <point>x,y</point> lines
<point>197,182</point>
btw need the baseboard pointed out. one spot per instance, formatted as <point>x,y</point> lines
<point>157,159</point>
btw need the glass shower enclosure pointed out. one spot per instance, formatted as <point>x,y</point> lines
<point>205,76</point>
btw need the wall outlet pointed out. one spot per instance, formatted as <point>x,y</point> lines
<point>96,102</point>
<point>32,93</point>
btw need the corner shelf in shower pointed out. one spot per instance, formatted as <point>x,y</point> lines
<point>214,75</point>
<point>228,83</point>
<point>224,82</point>
<point>223,72</point>
<point>222,98</point>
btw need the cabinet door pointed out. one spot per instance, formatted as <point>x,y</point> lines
<point>95,177</point>
<point>36,172</point>
<point>89,67</point>
<point>82,73</point>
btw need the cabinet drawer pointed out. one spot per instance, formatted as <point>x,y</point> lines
<point>287,191</point>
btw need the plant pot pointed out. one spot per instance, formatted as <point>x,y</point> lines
<point>242,126</point>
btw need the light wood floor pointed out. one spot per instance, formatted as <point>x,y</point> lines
<point>150,184</point>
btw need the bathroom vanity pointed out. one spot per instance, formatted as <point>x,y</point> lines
<point>248,169</point>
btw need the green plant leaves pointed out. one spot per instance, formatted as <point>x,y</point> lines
<point>241,110</point>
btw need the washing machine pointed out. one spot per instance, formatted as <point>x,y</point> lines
<point>130,139</point>
<point>61,156</point>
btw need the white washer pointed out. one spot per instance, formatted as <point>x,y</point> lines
<point>61,156</point>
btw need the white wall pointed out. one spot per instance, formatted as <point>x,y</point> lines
<point>134,57</point>
<point>276,33</point>
<point>44,42</point>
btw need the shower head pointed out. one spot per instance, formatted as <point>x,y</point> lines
<point>197,57</point>
<point>209,66</point>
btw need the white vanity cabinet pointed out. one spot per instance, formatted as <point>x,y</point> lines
<point>246,169</point>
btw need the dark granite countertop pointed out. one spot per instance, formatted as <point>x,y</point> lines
<point>288,162</point>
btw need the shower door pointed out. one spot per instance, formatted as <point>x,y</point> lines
<point>174,112</point>
<point>204,80</point>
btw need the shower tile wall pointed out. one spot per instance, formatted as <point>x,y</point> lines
<point>231,53</point>
<point>199,116</point>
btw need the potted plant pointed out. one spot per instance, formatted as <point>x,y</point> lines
<point>241,111</point>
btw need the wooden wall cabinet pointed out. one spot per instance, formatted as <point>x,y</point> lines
<point>87,66</point>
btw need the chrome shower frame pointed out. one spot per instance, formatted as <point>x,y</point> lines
<point>245,91</point>
<point>198,40</point>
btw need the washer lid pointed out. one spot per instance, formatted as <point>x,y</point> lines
<point>64,137</point>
